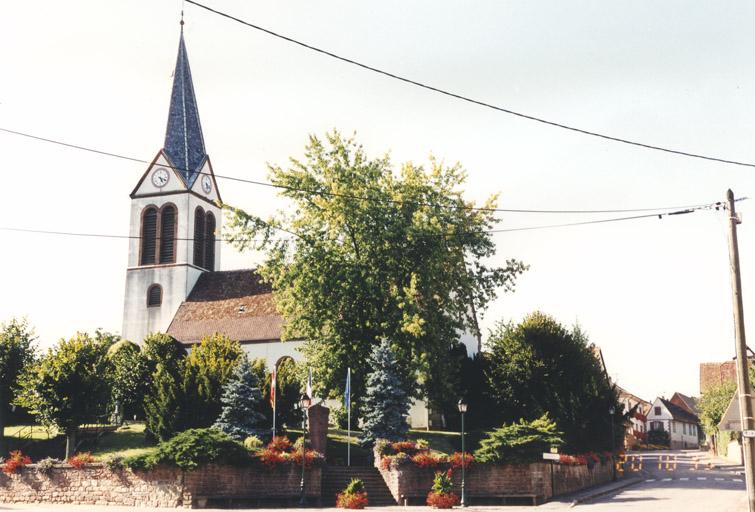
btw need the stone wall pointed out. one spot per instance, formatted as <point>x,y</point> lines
<point>539,480</point>
<point>162,487</point>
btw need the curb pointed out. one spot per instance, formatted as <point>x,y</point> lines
<point>603,491</point>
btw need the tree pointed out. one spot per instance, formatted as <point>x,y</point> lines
<point>129,377</point>
<point>520,442</point>
<point>164,400</point>
<point>16,353</point>
<point>375,254</point>
<point>539,367</point>
<point>66,387</point>
<point>209,366</point>
<point>386,404</point>
<point>713,404</point>
<point>239,416</point>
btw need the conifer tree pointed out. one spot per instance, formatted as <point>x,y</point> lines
<point>386,403</point>
<point>239,416</point>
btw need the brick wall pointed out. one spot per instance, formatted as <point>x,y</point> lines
<point>493,481</point>
<point>714,374</point>
<point>162,487</point>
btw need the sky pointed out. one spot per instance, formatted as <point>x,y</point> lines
<point>655,295</point>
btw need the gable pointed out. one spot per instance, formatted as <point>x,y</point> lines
<point>206,174</point>
<point>146,187</point>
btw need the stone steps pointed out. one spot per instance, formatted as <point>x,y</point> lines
<point>336,478</point>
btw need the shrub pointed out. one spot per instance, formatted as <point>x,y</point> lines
<point>519,442</point>
<point>114,463</point>
<point>15,461</point>
<point>426,460</point>
<point>422,444</point>
<point>659,437</point>
<point>441,495</point>
<point>280,444</point>
<point>144,462</point>
<point>253,443</point>
<point>354,496</point>
<point>196,447</point>
<point>409,447</point>
<point>271,458</point>
<point>79,460</point>
<point>45,465</point>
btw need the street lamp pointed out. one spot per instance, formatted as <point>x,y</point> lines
<point>611,412</point>
<point>462,409</point>
<point>304,402</point>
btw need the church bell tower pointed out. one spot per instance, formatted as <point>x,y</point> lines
<point>175,218</point>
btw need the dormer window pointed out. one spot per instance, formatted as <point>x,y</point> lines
<point>154,296</point>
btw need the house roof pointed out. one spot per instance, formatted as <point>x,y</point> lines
<point>184,143</point>
<point>623,393</point>
<point>680,414</point>
<point>236,303</point>
<point>689,401</point>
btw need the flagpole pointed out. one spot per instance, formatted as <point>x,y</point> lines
<point>348,415</point>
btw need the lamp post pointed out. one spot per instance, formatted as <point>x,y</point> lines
<point>611,412</point>
<point>304,402</point>
<point>462,409</point>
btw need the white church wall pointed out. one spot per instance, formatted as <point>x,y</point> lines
<point>273,351</point>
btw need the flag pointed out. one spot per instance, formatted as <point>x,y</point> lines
<point>273,385</point>
<point>347,392</point>
<point>309,383</point>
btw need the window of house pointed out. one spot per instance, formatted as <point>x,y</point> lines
<point>684,428</point>
<point>656,425</point>
<point>199,237</point>
<point>168,234</point>
<point>657,411</point>
<point>673,426</point>
<point>148,236</point>
<point>209,251</point>
<point>154,296</point>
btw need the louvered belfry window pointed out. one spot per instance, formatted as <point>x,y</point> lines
<point>199,237</point>
<point>168,234</point>
<point>149,236</point>
<point>154,295</point>
<point>209,251</point>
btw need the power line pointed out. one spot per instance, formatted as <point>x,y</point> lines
<point>710,206</point>
<point>471,100</point>
<point>347,196</point>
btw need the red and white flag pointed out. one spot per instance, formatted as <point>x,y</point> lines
<point>273,385</point>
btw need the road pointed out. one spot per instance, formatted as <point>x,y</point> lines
<point>682,487</point>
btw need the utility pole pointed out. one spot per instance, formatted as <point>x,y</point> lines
<point>743,377</point>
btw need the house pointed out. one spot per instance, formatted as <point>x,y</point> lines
<point>688,403</point>
<point>173,281</point>
<point>636,428</point>
<point>681,425</point>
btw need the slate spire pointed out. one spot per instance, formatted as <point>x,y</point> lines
<point>184,143</point>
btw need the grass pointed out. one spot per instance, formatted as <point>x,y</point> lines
<point>127,441</point>
<point>37,431</point>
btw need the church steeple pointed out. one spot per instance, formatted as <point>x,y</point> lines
<point>184,143</point>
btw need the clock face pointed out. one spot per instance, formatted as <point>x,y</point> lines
<point>160,177</point>
<point>206,184</point>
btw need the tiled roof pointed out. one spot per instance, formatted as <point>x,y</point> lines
<point>680,414</point>
<point>184,143</point>
<point>689,401</point>
<point>235,303</point>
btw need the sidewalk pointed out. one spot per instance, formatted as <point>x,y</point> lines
<point>596,492</point>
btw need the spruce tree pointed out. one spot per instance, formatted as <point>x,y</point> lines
<point>240,416</point>
<point>386,403</point>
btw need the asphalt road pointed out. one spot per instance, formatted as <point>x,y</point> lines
<point>679,484</point>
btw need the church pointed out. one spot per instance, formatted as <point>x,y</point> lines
<point>173,281</point>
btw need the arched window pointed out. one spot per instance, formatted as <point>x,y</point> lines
<point>168,234</point>
<point>149,236</point>
<point>199,237</point>
<point>154,296</point>
<point>209,251</point>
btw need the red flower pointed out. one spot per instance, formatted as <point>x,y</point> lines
<point>426,460</point>
<point>438,500</point>
<point>271,458</point>
<point>80,459</point>
<point>15,461</point>
<point>409,447</point>
<point>279,444</point>
<point>353,500</point>
<point>456,460</point>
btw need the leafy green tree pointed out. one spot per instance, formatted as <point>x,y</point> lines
<point>290,385</point>
<point>539,367</point>
<point>713,404</point>
<point>164,359</point>
<point>209,366</point>
<point>386,404</point>
<point>66,387</point>
<point>375,254</point>
<point>521,442</point>
<point>16,353</point>
<point>129,377</point>
<point>239,417</point>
